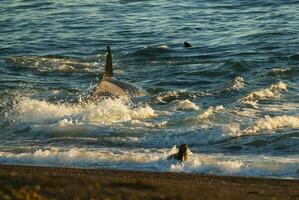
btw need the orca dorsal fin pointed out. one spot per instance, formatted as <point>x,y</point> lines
<point>108,66</point>
<point>187,44</point>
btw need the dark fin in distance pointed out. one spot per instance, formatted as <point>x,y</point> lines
<point>187,44</point>
<point>108,67</point>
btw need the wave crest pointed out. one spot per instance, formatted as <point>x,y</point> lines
<point>272,92</point>
<point>270,124</point>
<point>44,64</point>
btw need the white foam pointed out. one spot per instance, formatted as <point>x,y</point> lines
<point>237,84</point>
<point>245,165</point>
<point>270,124</point>
<point>49,64</point>
<point>210,112</point>
<point>66,68</point>
<point>161,124</point>
<point>156,159</point>
<point>208,127</point>
<point>183,105</point>
<point>105,112</point>
<point>280,70</point>
<point>272,92</point>
<point>169,95</point>
<point>36,111</point>
<point>195,136</point>
<point>55,92</point>
<point>77,157</point>
<point>209,165</point>
<point>179,95</point>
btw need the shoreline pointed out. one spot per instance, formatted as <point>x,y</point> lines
<point>38,182</point>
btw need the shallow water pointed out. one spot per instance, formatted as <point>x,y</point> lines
<point>233,96</point>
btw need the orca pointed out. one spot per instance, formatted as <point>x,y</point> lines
<point>110,86</point>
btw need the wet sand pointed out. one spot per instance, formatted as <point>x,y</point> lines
<point>21,182</point>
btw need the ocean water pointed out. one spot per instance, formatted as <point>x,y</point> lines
<point>232,97</point>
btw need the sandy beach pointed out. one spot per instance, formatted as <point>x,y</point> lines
<point>21,182</point>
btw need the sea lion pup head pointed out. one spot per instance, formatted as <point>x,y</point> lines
<point>182,155</point>
<point>183,152</point>
<point>187,44</point>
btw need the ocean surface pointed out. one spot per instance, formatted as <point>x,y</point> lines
<point>233,97</point>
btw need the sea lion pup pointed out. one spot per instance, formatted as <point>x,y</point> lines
<point>187,44</point>
<point>110,86</point>
<point>182,155</point>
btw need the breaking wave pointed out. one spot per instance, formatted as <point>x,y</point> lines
<point>104,112</point>
<point>156,160</point>
<point>273,92</point>
<point>271,124</point>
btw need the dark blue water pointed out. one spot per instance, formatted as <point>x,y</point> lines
<point>233,96</point>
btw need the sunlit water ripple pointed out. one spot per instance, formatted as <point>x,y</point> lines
<point>233,96</point>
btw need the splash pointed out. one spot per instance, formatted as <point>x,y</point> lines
<point>209,165</point>
<point>245,165</point>
<point>104,112</point>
